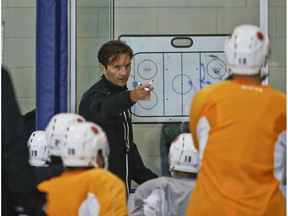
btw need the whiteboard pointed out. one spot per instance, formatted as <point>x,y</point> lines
<point>178,70</point>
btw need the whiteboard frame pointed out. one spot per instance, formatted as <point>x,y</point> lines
<point>157,44</point>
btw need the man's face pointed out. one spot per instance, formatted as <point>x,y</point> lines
<point>118,72</point>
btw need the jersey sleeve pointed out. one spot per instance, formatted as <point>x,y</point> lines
<point>195,114</point>
<point>149,197</point>
<point>110,192</point>
<point>155,204</point>
<point>90,206</point>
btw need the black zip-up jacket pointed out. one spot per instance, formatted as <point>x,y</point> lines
<point>18,178</point>
<point>109,106</point>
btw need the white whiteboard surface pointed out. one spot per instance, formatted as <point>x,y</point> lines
<point>177,73</point>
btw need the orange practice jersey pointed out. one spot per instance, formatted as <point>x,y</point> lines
<point>239,129</point>
<point>66,193</point>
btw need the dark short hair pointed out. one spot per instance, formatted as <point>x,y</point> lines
<point>111,50</point>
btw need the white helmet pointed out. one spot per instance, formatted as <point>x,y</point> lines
<point>56,128</point>
<point>39,150</point>
<point>82,143</point>
<point>247,50</point>
<point>183,156</point>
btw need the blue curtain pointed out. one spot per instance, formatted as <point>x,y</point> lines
<point>51,60</point>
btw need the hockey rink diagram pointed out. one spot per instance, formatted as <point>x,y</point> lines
<point>176,77</point>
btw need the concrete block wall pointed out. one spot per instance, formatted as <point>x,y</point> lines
<point>134,17</point>
<point>19,48</point>
<point>92,32</point>
<point>19,54</point>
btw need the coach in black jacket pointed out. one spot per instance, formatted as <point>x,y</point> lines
<point>108,104</point>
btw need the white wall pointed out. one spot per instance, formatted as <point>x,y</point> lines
<point>19,48</point>
<point>133,17</point>
<point>19,19</point>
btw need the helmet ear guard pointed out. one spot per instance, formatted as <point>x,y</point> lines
<point>183,155</point>
<point>247,51</point>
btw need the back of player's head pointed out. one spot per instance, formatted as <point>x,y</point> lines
<point>39,150</point>
<point>56,128</point>
<point>247,50</point>
<point>183,156</point>
<point>81,145</point>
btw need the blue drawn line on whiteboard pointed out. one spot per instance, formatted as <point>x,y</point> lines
<point>208,82</point>
<point>202,79</point>
<point>191,84</point>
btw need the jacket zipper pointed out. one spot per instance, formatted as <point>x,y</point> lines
<point>126,137</point>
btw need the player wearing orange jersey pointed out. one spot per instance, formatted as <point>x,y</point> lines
<point>84,188</point>
<point>239,127</point>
